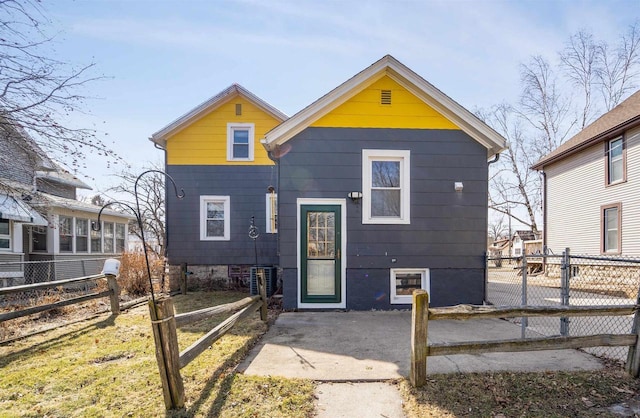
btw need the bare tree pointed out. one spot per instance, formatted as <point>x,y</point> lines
<point>497,228</point>
<point>152,204</point>
<point>38,92</point>
<point>550,111</point>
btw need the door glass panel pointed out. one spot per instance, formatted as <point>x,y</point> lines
<point>320,277</point>
<point>321,235</point>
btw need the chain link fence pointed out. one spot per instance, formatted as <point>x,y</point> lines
<point>31,272</point>
<point>563,280</point>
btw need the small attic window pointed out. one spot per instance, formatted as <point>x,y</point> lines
<point>238,109</point>
<point>385,97</point>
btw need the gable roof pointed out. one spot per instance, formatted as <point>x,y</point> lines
<point>408,79</point>
<point>613,123</point>
<point>208,106</point>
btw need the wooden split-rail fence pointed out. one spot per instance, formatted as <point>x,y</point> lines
<point>113,293</point>
<point>422,314</point>
<point>164,323</point>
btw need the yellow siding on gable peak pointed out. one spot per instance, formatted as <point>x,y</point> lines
<point>364,110</point>
<point>204,142</point>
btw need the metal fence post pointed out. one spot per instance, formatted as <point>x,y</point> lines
<point>525,320</point>
<point>565,270</point>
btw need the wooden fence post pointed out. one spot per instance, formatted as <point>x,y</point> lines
<point>183,278</point>
<point>419,347</point>
<point>115,294</point>
<point>262,287</point>
<point>163,323</point>
<point>633,357</point>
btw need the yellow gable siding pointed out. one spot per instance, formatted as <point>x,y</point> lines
<point>365,111</point>
<point>204,142</point>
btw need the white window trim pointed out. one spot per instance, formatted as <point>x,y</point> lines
<point>610,160</point>
<point>226,200</point>
<point>8,236</point>
<point>395,299</point>
<point>269,229</point>
<point>343,260</point>
<point>404,156</point>
<point>231,127</point>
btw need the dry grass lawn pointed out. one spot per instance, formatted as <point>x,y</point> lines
<point>106,367</point>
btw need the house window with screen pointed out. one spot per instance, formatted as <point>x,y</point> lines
<point>108,237</point>
<point>120,237</point>
<point>82,235</point>
<point>96,238</point>
<point>5,235</point>
<point>405,281</point>
<point>611,241</point>
<point>215,218</point>
<point>39,239</point>
<point>240,142</point>
<point>385,186</point>
<point>272,213</point>
<point>66,234</point>
<point>615,161</point>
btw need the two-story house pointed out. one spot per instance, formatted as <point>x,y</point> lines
<point>42,220</point>
<point>592,184</point>
<point>381,189</point>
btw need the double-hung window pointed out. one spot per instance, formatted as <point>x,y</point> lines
<point>5,234</point>
<point>108,237</point>
<point>215,218</point>
<point>240,141</point>
<point>615,161</point>
<point>66,234</point>
<point>386,186</point>
<point>611,222</point>
<point>272,213</point>
<point>82,235</point>
<point>96,237</point>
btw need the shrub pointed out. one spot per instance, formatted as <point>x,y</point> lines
<point>133,273</point>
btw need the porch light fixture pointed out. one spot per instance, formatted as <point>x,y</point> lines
<point>458,186</point>
<point>355,196</point>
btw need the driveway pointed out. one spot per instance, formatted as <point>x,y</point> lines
<point>375,346</point>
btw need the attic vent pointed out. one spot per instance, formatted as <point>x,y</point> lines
<point>385,97</point>
<point>238,109</point>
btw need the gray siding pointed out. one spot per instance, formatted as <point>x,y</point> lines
<point>247,188</point>
<point>56,189</point>
<point>447,233</point>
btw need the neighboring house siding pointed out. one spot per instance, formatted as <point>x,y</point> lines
<point>204,142</point>
<point>247,188</point>
<point>447,233</point>
<point>576,192</point>
<point>16,164</point>
<point>56,189</point>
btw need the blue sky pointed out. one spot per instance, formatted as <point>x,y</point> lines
<point>162,58</point>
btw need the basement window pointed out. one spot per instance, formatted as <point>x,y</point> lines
<point>404,282</point>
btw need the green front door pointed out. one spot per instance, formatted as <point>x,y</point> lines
<point>320,253</point>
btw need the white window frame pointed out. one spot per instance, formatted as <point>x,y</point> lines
<point>226,200</point>
<point>270,208</point>
<point>606,212</point>
<point>425,284</point>
<point>72,235</point>
<point>7,236</point>
<point>231,128</point>
<point>76,236</point>
<point>404,157</point>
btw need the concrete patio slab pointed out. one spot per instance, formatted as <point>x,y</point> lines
<point>375,346</point>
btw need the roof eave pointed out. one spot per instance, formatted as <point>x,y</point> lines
<point>160,137</point>
<point>410,80</point>
<point>603,136</point>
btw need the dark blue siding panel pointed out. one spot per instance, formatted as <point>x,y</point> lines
<point>247,187</point>
<point>289,289</point>
<point>447,233</point>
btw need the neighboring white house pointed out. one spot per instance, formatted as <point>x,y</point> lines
<point>592,186</point>
<point>40,217</point>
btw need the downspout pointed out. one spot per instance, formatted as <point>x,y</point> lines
<point>166,223</point>
<point>276,161</point>
<point>486,258</point>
